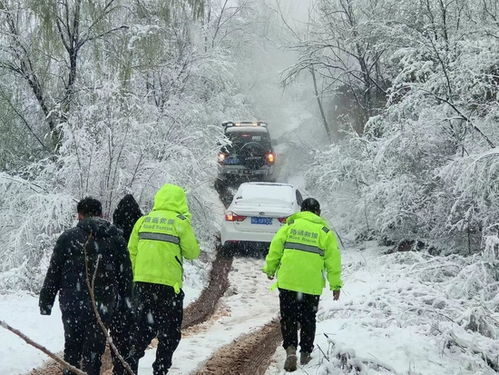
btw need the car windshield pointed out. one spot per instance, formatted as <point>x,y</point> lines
<point>240,138</point>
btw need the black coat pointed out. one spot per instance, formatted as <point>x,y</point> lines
<point>126,215</point>
<point>67,272</point>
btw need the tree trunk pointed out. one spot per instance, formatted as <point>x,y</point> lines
<point>319,103</point>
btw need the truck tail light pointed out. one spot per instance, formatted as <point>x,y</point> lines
<point>270,158</point>
<point>221,157</point>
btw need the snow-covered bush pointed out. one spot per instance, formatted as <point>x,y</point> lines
<point>33,215</point>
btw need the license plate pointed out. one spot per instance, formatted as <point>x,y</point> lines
<point>232,161</point>
<point>261,220</point>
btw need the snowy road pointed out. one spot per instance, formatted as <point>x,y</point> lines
<point>398,314</point>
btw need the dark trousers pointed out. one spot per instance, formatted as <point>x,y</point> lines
<point>83,341</point>
<point>121,329</point>
<point>159,313</point>
<point>298,308</point>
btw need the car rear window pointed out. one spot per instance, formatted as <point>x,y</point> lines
<point>278,193</point>
<point>239,139</point>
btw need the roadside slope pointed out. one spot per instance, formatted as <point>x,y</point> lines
<point>399,314</point>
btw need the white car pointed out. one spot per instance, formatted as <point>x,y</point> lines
<point>258,210</point>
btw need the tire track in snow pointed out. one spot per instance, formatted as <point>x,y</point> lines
<point>204,307</point>
<point>250,354</point>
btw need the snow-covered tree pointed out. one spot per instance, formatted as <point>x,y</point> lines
<point>102,99</point>
<point>425,168</point>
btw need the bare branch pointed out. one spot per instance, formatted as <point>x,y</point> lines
<point>43,349</point>
<point>281,15</point>
<point>219,20</point>
<point>107,10</point>
<point>463,116</point>
<point>444,67</point>
<point>91,291</point>
<point>59,24</point>
<point>319,103</point>
<point>25,122</point>
<point>98,36</point>
<point>26,70</point>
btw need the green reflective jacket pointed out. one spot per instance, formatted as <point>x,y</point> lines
<point>162,239</point>
<point>299,253</point>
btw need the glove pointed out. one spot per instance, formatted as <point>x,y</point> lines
<point>45,310</point>
<point>336,295</point>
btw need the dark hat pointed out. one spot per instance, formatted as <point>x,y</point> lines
<point>310,204</point>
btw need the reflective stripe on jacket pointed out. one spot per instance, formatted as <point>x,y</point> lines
<point>299,253</point>
<point>162,239</point>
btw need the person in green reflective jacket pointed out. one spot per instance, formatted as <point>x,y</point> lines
<point>300,253</point>
<point>159,243</point>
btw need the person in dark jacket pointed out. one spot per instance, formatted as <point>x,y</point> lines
<point>122,323</point>
<point>93,246</point>
<point>126,215</point>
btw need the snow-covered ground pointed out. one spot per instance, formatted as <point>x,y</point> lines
<point>247,305</point>
<point>403,313</point>
<point>394,319</point>
<point>21,311</point>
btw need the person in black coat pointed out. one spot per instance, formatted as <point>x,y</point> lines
<point>126,215</point>
<point>123,322</point>
<point>94,245</point>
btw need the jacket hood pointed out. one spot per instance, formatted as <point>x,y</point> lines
<point>98,227</point>
<point>309,216</point>
<point>127,212</point>
<point>171,198</point>
<point>128,204</point>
